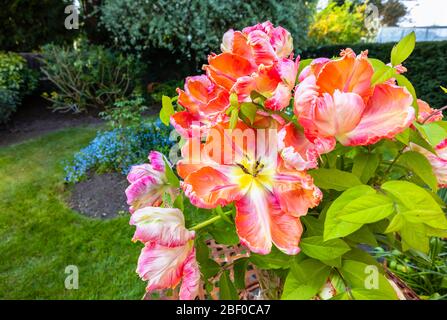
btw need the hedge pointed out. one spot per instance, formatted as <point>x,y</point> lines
<point>427,65</point>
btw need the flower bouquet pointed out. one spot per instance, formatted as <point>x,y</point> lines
<point>303,164</point>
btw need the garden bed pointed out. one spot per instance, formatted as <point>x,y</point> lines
<point>100,196</point>
<point>33,118</point>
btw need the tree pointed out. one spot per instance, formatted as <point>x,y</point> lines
<point>338,24</point>
<point>27,24</point>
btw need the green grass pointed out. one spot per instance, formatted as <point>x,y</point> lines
<point>40,235</point>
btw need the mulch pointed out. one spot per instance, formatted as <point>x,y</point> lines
<point>101,196</point>
<point>34,118</point>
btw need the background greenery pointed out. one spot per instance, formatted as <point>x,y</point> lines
<point>427,66</point>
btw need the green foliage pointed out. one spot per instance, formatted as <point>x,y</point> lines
<point>339,24</point>
<point>126,112</point>
<point>427,65</point>
<point>88,76</point>
<point>424,273</point>
<point>193,28</point>
<point>28,24</point>
<point>402,50</point>
<point>16,81</point>
<point>334,179</point>
<point>167,110</point>
<point>167,88</point>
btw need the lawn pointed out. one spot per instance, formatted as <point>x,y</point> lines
<point>40,235</point>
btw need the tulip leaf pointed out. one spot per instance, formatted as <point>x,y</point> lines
<point>334,179</point>
<point>403,49</point>
<point>240,267</point>
<point>167,110</point>
<point>443,89</point>
<point>233,118</point>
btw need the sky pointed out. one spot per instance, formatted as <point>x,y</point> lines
<point>422,13</point>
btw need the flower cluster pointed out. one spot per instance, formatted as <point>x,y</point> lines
<point>118,150</point>
<point>243,150</point>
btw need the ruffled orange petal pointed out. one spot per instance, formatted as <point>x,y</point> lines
<point>388,113</point>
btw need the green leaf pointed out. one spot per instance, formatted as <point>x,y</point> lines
<point>404,82</point>
<point>336,228</point>
<point>170,175</point>
<point>305,279</point>
<point>227,290</point>
<point>396,223</point>
<point>382,75</point>
<point>365,165</point>
<point>334,179</point>
<point>419,164</point>
<point>363,235</point>
<point>404,136</point>
<point>224,233</point>
<point>240,267</point>
<point>208,267</point>
<point>367,209</point>
<point>443,89</point>
<point>371,294</point>
<point>249,109</point>
<point>274,260</point>
<point>414,236</point>
<point>360,276</point>
<point>233,118</point>
<point>434,132</point>
<point>417,138</point>
<point>316,248</point>
<point>167,110</point>
<point>403,49</point>
<point>314,227</point>
<point>376,63</point>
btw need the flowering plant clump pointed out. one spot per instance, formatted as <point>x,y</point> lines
<point>118,150</point>
<point>304,163</point>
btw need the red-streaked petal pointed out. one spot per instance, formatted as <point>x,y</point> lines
<point>280,98</point>
<point>208,188</point>
<point>425,111</point>
<point>162,266</point>
<point>347,74</point>
<point>157,161</point>
<point>183,122</point>
<point>263,52</point>
<point>165,226</point>
<point>296,191</point>
<point>260,221</point>
<point>191,278</point>
<point>296,150</point>
<point>387,114</point>
<point>281,41</point>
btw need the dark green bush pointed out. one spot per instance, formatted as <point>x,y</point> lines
<point>16,81</point>
<point>427,65</point>
<point>88,76</point>
<point>193,28</point>
<point>27,24</point>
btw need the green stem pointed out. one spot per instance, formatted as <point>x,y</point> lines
<point>208,222</point>
<point>395,160</point>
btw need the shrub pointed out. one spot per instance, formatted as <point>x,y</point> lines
<point>126,112</point>
<point>427,66</point>
<point>167,88</point>
<point>28,24</point>
<point>88,76</point>
<point>191,28</point>
<point>16,81</point>
<point>339,24</point>
<point>118,149</point>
